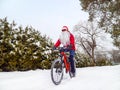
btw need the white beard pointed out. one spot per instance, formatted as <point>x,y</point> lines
<point>65,38</point>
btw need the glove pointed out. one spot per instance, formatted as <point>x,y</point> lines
<point>54,48</point>
<point>69,46</point>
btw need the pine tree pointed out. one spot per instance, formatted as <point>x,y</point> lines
<point>23,48</point>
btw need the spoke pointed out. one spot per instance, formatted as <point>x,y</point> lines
<point>57,74</point>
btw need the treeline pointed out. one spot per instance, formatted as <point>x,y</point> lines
<point>23,48</point>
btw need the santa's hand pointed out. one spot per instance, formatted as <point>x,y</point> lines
<point>54,48</point>
<point>69,46</point>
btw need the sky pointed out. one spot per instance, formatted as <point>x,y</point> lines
<point>46,16</point>
<point>89,78</point>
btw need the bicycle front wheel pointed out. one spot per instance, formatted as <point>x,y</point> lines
<point>57,71</point>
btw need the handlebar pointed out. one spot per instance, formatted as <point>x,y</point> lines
<point>62,49</point>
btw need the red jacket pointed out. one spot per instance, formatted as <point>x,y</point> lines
<point>72,42</point>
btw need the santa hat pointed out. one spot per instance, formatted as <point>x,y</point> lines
<point>65,28</point>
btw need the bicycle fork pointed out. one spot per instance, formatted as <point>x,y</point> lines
<point>67,64</point>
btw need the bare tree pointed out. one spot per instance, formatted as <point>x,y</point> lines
<point>86,35</point>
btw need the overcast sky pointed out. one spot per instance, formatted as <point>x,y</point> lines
<point>47,16</point>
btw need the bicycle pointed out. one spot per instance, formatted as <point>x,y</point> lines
<point>58,65</point>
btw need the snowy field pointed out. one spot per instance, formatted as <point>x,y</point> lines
<point>90,78</point>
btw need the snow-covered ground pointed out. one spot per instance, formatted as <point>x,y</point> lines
<point>90,78</point>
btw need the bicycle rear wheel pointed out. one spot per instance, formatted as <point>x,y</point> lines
<point>57,71</point>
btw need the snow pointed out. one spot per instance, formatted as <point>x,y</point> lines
<point>89,78</point>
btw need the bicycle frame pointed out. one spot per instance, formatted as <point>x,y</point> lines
<point>66,63</point>
<point>57,68</point>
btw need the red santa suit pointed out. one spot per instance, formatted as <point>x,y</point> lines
<point>72,42</point>
<point>69,41</point>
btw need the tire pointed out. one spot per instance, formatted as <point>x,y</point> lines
<point>57,71</point>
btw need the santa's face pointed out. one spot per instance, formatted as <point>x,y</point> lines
<point>65,38</point>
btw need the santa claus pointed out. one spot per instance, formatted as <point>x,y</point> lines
<point>67,40</point>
